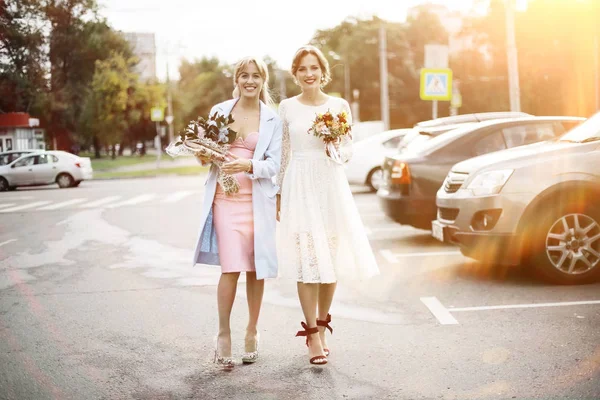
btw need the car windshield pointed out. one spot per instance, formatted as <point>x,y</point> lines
<point>435,143</point>
<point>416,142</point>
<point>586,132</point>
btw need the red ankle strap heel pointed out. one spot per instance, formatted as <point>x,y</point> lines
<point>318,360</point>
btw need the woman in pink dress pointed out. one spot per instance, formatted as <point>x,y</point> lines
<point>238,231</point>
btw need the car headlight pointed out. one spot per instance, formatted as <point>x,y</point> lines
<point>489,182</point>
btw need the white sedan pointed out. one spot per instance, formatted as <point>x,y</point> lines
<point>45,168</point>
<point>368,154</point>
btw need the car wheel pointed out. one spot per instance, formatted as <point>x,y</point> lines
<point>566,247</point>
<point>375,178</point>
<point>4,184</point>
<point>64,181</point>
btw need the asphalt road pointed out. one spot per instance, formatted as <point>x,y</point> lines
<point>98,301</point>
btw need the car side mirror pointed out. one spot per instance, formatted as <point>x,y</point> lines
<point>12,166</point>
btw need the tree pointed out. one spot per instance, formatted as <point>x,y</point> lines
<point>22,57</point>
<point>357,43</point>
<point>78,38</point>
<point>106,110</point>
<point>202,84</point>
<point>555,65</point>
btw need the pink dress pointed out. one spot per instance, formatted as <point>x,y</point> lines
<point>234,217</point>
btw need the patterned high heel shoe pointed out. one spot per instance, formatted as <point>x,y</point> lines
<point>318,360</point>
<point>251,357</point>
<point>325,323</point>
<point>225,363</point>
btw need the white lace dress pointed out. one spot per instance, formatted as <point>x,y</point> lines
<point>321,237</point>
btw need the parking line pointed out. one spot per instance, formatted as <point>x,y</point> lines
<point>61,205</point>
<point>8,241</point>
<point>7,205</point>
<point>394,257</point>
<point>25,206</point>
<point>136,200</point>
<point>533,305</point>
<point>100,202</point>
<point>172,198</point>
<point>439,311</point>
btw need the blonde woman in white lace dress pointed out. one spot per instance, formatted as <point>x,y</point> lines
<point>321,236</point>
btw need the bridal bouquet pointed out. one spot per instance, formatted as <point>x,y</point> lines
<point>331,128</point>
<point>210,139</point>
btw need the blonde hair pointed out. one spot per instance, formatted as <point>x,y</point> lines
<point>241,65</point>
<point>323,63</point>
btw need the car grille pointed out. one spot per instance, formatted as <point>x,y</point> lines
<point>447,214</point>
<point>454,181</point>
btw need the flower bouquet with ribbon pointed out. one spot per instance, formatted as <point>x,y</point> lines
<point>331,128</point>
<point>209,139</point>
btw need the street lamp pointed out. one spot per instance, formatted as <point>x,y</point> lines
<point>346,65</point>
<point>514,90</point>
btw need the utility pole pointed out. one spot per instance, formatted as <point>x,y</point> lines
<point>597,67</point>
<point>347,80</point>
<point>511,55</point>
<point>383,78</point>
<point>169,117</point>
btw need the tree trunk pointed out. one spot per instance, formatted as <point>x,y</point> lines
<point>96,143</point>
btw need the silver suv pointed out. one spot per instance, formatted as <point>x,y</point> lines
<point>538,205</point>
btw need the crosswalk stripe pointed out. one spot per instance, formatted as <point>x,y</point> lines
<point>7,205</point>
<point>61,205</point>
<point>100,202</point>
<point>136,200</point>
<point>25,206</point>
<point>174,197</point>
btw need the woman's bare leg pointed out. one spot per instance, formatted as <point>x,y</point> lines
<point>225,298</point>
<point>254,292</point>
<point>308,294</point>
<point>326,292</point>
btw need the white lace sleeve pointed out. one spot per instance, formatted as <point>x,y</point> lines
<point>285,145</point>
<point>346,149</point>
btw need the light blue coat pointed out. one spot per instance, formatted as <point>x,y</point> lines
<point>265,165</point>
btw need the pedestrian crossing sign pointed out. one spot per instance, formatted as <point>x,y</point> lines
<point>436,84</point>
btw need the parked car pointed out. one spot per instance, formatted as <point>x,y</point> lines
<point>6,157</point>
<point>473,117</point>
<point>426,130</point>
<point>538,205</point>
<point>44,168</point>
<point>418,136</point>
<point>365,165</point>
<point>412,178</point>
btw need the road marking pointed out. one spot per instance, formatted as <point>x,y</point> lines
<point>6,205</point>
<point>533,305</point>
<point>8,241</point>
<point>13,198</point>
<point>439,311</point>
<point>174,197</point>
<point>25,206</point>
<point>394,257</point>
<point>101,202</point>
<point>63,204</point>
<point>136,200</point>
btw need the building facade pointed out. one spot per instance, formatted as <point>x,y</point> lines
<point>18,131</point>
<point>144,48</point>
